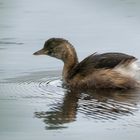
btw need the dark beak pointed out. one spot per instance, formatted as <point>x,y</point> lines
<point>40,52</point>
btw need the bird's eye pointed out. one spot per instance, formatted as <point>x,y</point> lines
<point>50,51</point>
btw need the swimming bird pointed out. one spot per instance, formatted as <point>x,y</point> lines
<point>98,71</point>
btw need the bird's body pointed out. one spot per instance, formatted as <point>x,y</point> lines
<point>107,70</point>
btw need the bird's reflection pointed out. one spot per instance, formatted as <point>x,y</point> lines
<point>97,104</point>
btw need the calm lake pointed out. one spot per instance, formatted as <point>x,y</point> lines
<point>33,104</point>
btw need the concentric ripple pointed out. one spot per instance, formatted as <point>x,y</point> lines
<point>65,106</point>
<point>32,87</point>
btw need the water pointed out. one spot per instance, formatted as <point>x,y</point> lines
<point>33,104</point>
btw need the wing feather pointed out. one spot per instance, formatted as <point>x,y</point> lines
<point>101,61</point>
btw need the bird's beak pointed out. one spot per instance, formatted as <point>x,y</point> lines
<point>40,52</point>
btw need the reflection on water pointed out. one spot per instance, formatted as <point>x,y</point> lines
<point>64,106</point>
<point>58,108</point>
<point>98,105</point>
<point>31,86</point>
<point>60,113</point>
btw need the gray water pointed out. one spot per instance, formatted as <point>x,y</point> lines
<point>33,104</point>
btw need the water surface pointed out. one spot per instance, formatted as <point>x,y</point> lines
<point>33,103</point>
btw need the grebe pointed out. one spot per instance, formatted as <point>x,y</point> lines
<point>97,71</point>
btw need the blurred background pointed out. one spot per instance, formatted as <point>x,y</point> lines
<point>33,104</point>
<point>91,26</point>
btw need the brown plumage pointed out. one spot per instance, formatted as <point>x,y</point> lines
<point>95,71</point>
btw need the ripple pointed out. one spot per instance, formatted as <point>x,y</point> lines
<point>63,106</point>
<point>45,88</point>
<point>110,105</point>
<point>10,43</point>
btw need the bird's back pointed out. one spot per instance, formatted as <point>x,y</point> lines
<point>101,61</point>
<point>104,71</point>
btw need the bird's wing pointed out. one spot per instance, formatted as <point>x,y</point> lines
<point>101,61</point>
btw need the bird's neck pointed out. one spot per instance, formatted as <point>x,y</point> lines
<point>70,62</point>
